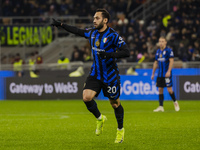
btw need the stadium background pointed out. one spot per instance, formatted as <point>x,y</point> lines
<point>40,93</point>
<point>26,36</point>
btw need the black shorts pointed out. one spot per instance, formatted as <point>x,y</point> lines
<point>164,82</point>
<point>110,90</point>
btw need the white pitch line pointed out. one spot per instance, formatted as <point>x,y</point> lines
<point>87,113</point>
<point>64,117</point>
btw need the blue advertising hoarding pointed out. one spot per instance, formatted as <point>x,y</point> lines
<point>4,74</point>
<point>141,87</point>
<point>138,88</point>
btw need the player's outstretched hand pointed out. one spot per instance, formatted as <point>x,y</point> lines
<point>105,55</point>
<point>56,23</point>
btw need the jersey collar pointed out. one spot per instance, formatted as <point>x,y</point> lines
<point>164,49</point>
<point>104,30</point>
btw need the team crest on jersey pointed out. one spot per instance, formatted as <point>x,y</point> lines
<point>97,43</point>
<point>164,52</point>
<point>104,40</point>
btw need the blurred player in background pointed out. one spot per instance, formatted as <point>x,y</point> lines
<point>164,60</point>
<point>104,72</point>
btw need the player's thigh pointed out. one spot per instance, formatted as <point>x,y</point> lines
<point>91,88</point>
<point>112,90</point>
<point>170,90</point>
<point>88,95</point>
<point>160,90</point>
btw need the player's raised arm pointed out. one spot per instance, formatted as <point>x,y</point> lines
<point>71,29</point>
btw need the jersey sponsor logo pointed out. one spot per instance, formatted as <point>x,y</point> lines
<point>104,40</point>
<point>98,49</point>
<point>97,43</point>
<point>161,59</point>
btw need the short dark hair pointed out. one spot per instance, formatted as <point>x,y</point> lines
<point>105,13</point>
<point>162,37</point>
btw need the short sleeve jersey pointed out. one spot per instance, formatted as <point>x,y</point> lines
<point>163,56</point>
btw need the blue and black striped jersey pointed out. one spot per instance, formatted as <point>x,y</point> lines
<point>105,70</point>
<point>163,56</point>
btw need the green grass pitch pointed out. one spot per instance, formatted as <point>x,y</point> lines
<point>67,125</point>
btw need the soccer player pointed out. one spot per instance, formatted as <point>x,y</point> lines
<point>104,72</point>
<point>164,60</point>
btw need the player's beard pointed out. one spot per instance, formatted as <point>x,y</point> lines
<point>162,47</point>
<point>100,26</point>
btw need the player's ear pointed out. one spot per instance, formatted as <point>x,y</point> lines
<point>105,20</point>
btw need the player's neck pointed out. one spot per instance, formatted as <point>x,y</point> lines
<point>162,48</point>
<point>103,28</point>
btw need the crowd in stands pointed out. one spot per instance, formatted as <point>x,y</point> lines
<point>65,7</point>
<point>180,26</point>
<point>17,61</point>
